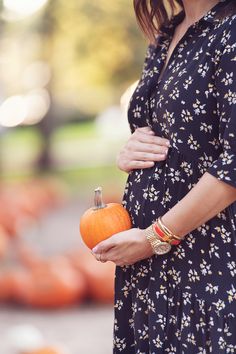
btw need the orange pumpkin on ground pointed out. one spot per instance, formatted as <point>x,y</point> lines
<point>12,219</point>
<point>4,288</point>
<point>3,243</point>
<point>103,220</point>
<point>27,256</point>
<point>99,276</point>
<point>53,284</point>
<point>12,280</point>
<point>19,197</point>
<point>46,350</point>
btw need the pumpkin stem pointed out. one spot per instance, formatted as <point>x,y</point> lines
<point>98,203</point>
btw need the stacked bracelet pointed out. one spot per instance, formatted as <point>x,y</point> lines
<point>161,238</point>
<point>166,234</point>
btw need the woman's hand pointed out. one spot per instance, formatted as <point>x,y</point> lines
<point>141,150</point>
<point>124,248</point>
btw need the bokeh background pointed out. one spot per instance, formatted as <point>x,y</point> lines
<point>67,71</point>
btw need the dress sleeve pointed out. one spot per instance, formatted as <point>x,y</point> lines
<point>224,168</point>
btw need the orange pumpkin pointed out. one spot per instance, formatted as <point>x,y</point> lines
<point>20,198</point>
<point>3,243</point>
<point>46,350</point>
<point>99,276</point>
<point>13,220</point>
<point>12,280</point>
<point>103,220</point>
<point>4,288</point>
<point>28,256</point>
<point>53,284</point>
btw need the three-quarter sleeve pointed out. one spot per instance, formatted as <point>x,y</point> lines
<point>224,168</point>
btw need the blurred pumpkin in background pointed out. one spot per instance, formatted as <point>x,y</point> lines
<point>12,280</point>
<point>99,276</point>
<point>52,284</point>
<point>46,350</point>
<point>13,219</point>
<point>103,220</point>
<point>28,256</point>
<point>25,202</point>
<point>3,243</point>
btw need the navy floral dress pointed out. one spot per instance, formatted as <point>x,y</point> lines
<point>185,301</point>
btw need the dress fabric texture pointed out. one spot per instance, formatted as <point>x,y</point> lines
<point>185,301</point>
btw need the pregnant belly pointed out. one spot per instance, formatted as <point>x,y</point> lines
<point>151,192</point>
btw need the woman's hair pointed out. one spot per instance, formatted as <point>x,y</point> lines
<point>153,14</point>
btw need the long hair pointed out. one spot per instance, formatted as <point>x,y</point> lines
<point>153,14</point>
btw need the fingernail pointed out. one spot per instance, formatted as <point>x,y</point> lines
<point>166,152</point>
<point>94,250</point>
<point>168,143</point>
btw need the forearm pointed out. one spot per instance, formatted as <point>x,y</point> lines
<point>204,201</point>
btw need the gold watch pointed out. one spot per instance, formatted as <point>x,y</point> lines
<point>159,247</point>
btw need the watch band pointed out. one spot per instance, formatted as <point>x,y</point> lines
<point>159,247</point>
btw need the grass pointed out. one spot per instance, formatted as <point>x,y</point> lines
<point>76,131</point>
<point>86,179</point>
<point>21,147</point>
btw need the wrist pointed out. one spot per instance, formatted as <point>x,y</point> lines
<point>158,246</point>
<point>145,241</point>
<point>175,227</point>
<point>166,234</point>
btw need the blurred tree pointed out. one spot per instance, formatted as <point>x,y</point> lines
<point>94,49</point>
<point>47,29</point>
<point>98,51</point>
<point>95,52</point>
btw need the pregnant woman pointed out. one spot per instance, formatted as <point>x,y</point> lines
<point>175,288</point>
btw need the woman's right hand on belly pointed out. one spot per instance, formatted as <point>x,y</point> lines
<point>142,150</point>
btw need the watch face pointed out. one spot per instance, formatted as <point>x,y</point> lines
<point>162,248</point>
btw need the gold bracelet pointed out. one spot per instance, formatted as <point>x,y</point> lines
<point>167,231</point>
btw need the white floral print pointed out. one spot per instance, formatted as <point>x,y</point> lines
<point>184,302</point>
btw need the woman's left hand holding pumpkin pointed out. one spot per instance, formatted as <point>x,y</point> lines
<point>124,248</point>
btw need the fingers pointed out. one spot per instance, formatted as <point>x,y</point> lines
<point>145,130</point>
<point>142,150</point>
<point>100,257</point>
<point>100,251</point>
<point>145,156</point>
<point>128,165</point>
<point>132,165</point>
<point>130,160</point>
<point>150,139</point>
<point>149,148</point>
<point>111,256</point>
<point>104,246</point>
